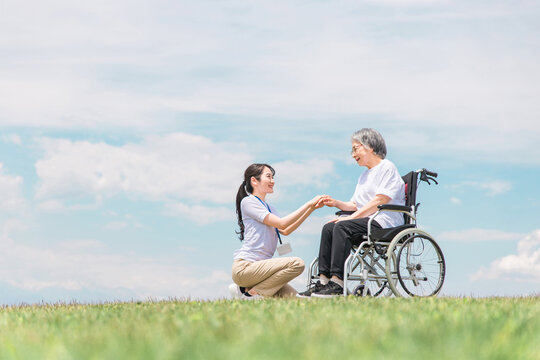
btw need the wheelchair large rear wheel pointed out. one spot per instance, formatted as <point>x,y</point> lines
<point>420,265</point>
<point>419,268</point>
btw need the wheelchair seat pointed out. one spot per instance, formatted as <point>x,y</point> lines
<point>389,233</point>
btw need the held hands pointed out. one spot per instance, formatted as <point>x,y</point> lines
<point>326,200</point>
<point>318,201</point>
<point>322,200</point>
<point>330,202</point>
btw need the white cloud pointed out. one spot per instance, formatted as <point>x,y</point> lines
<point>492,187</point>
<point>11,139</point>
<point>140,70</point>
<point>201,215</point>
<point>10,192</point>
<point>168,167</point>
<point>12,225</point>
<point>192,174</point>
<point>311,172</point>
<point>484,235</point>
<point>455,200</point>
<point>90,265</point>
<point>118,222</point>
<point>56,205</point>
<point>522,267</point>
<point>495,187</point>
<point>116,225</point>
<point>404,3</point>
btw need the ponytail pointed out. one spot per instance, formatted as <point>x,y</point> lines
<point>253,170</point>
<point>242,193</point>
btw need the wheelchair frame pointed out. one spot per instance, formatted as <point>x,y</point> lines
<point>375,265</point>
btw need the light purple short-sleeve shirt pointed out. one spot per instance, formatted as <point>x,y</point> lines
<point>260,240</point>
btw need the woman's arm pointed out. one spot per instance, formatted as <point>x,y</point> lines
<point>368,209</point>
<point>289,229</point>
<point>301,213</point>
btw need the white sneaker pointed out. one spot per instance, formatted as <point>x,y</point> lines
<point>251,298</point>
<point>234,291</point>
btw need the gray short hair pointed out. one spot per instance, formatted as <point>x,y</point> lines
<point>371,139</point>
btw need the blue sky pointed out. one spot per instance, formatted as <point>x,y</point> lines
<point>126,127</point>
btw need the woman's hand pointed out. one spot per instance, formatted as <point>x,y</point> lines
<point>341,218</point>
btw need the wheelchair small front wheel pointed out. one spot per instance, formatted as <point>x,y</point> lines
<point>367,268</point>
<point>420,266</point>
<point>359,291</point>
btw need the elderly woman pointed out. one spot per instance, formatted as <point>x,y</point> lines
<point>379,184</point>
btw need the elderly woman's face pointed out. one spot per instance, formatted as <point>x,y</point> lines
<point>360,153</point>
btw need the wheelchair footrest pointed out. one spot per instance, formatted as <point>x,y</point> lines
<point>381,250</point>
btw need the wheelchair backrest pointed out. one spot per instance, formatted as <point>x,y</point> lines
<point>411,184</point>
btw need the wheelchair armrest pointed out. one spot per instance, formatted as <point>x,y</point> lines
<point>344,212</point>
<point>391,207</point>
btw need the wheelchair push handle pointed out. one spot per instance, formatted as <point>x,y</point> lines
<point>427,176</point>
<point>430,173</point>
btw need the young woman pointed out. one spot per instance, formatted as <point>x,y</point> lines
<point>254,270</point>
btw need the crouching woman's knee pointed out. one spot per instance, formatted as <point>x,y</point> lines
<point>297,265</point>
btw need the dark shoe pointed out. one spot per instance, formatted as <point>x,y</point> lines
<point>313,287</point>
<point>330,290</point>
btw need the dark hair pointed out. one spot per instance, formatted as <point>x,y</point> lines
<point>253,170</point>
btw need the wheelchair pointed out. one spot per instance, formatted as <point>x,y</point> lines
<point>403,261</point>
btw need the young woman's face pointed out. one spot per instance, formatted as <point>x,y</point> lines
<point>266,184</point>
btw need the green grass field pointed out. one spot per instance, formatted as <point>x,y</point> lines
<point>437,328</point>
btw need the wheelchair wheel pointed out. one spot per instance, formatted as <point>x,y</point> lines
<point>377,283</point>
<point>359,291</point>
<point>421,267</point>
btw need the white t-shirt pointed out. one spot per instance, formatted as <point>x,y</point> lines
<point>260,240</point>
<point>381,179</point>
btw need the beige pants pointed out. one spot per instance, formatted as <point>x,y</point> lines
<point>268,277</point>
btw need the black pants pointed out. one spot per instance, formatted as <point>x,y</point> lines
<point>337,240</point>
